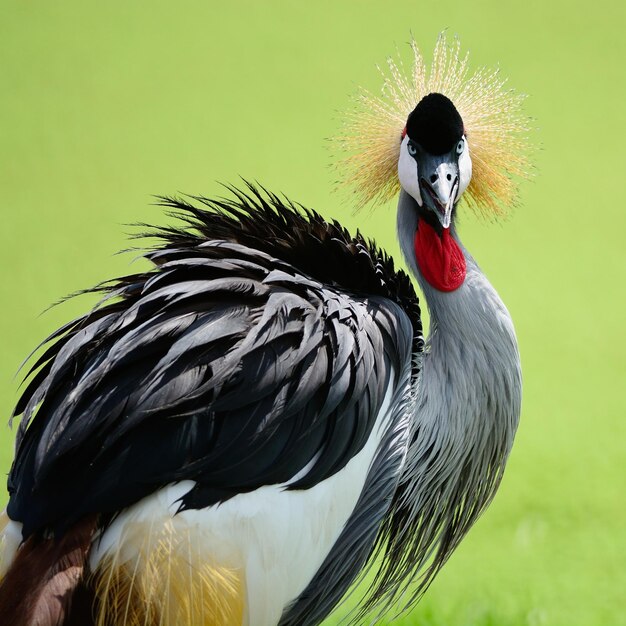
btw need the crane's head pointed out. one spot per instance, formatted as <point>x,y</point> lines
<point>439,133</point>
<point>434,166</point>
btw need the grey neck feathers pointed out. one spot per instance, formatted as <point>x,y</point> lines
<point>467,410</point>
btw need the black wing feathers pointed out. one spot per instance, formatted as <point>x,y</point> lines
<point>263,337</point>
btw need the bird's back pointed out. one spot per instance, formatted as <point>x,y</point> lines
<point>217,429</point>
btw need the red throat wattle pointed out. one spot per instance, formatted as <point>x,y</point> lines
<point>439,259</point>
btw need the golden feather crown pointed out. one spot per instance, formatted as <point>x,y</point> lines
<point>495,127</point>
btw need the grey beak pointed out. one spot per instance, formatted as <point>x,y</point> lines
<point>439,185</point>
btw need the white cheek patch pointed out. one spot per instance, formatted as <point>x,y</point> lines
<point>465,169</point>
<point>407,172</point>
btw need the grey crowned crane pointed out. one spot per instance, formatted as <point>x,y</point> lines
<point>233,436</point>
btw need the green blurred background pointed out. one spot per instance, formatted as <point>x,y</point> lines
<point>104,104</point>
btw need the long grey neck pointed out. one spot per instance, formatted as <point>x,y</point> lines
<point>472,360</point>
<point>466,412</point>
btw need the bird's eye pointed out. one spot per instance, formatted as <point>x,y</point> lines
<point>460,146</point>
<point>411,148</point>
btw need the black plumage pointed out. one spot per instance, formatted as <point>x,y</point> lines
<point>435,124</point>
<point>263,338</point>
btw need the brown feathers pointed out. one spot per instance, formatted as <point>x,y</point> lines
<point>38,586</point>
<point>155,578</point>
<point>495,127</point>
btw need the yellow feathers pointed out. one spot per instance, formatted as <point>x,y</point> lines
<point>495,127</point>
<point>166,583</point>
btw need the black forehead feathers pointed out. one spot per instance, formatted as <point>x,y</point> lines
<point>435,124</point>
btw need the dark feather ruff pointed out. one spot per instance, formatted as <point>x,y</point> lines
<point>228,251</point>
